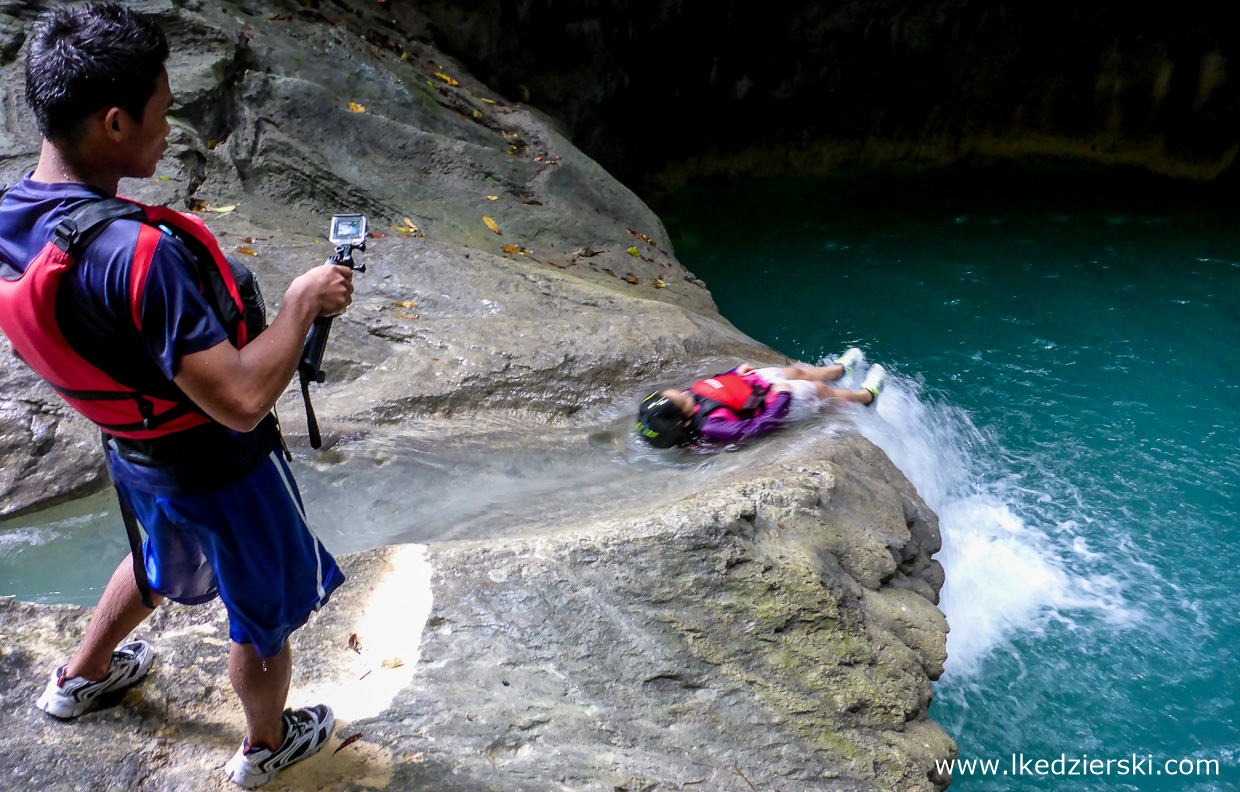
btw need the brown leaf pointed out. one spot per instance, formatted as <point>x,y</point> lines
<point>246,251</point>
<point>355,644</point>
<point>511,248</point>
<point>631,278</point>
<point>352,738</point>
<point>248,241</point>
<point>609,272</point>
<point>659,283</point>
<point>532,203</point>
<point>410,317</point>
<point>376,235</point>
<point>491,224</point>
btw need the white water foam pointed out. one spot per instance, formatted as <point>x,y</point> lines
<point>1008,570</point>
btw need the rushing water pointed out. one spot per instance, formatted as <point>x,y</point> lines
<point>1065,397</point>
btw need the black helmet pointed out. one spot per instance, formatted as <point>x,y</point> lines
<point>661,423</point>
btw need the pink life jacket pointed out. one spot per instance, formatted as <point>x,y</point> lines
<point>28,317</point>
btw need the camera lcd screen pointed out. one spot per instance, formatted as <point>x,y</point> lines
<point>348,228</point>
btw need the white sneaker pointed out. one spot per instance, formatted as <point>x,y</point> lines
<point>874,381</point>
<point>306,730</point>
<point>68,698</point>
<point>850,360</point>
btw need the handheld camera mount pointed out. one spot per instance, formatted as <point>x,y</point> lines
<point>348,233</point>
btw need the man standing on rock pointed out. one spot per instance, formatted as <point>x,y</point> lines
<point>134,316</point>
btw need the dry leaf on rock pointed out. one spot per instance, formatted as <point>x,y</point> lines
<point>406,304</point>
<point>393,662</point>
<point>633,252</point>
<point>246,251</point>
<point>355,644</point>
<point>491,224</point>
<point>446,78</point>
<point>631,278</point>
<point>352,738</point>
<point>357,108</point>
<point>492,197</point>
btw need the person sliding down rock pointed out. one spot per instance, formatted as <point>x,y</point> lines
<point>133,314</point>
<point>746,402</point>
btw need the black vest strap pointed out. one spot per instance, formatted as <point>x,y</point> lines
<point>75,233</point>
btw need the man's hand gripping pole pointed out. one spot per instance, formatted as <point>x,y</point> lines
<point>348,234</point>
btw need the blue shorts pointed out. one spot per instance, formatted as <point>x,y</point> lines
<point>247,542</point>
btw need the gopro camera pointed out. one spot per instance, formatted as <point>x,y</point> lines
<point>348,230</point>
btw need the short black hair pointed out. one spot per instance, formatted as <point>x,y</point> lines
<point>83,58</point>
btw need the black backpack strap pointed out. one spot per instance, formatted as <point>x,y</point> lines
<point>135,551</point>
<point>135,543</point>
<point>75,233</point>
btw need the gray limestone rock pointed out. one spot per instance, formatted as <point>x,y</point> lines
<point>715,644</point>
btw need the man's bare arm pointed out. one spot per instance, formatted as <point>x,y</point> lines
<point>238,388</point>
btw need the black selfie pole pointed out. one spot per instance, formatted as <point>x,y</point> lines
<point>310,367</point>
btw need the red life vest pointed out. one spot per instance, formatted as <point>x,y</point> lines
<point>28,318</point>
<point>730,391</point>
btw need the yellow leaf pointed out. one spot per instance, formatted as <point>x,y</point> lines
<point>246,251</point>
<point>357,108</point>
<point>223,209</point>
<point>406,304</point>
<point>633,252</point>
<point>478,114</point>
<point>446,79</point>
<point>492,197</point>
<point>491,224</point>
<point>413,227</point>
<point>404,229</point>
<point>631,278</point>
<point>659,283</point>
<point>515,249</point>
<point>488,101</point>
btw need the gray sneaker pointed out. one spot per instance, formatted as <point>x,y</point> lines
<point>306,730</point>
<point>875,379</point>
<point>850,360</point>
<point>67,698</point>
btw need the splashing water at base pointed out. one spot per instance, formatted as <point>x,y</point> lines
<point>1005,575</point>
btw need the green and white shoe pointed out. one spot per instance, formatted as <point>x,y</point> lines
<point>874,381</point>
<point>850,360</point>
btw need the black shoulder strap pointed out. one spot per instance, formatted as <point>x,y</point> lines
<point>75,233</point>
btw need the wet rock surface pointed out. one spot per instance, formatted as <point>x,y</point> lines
<point>780,632</point>
<point>773,628</point>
